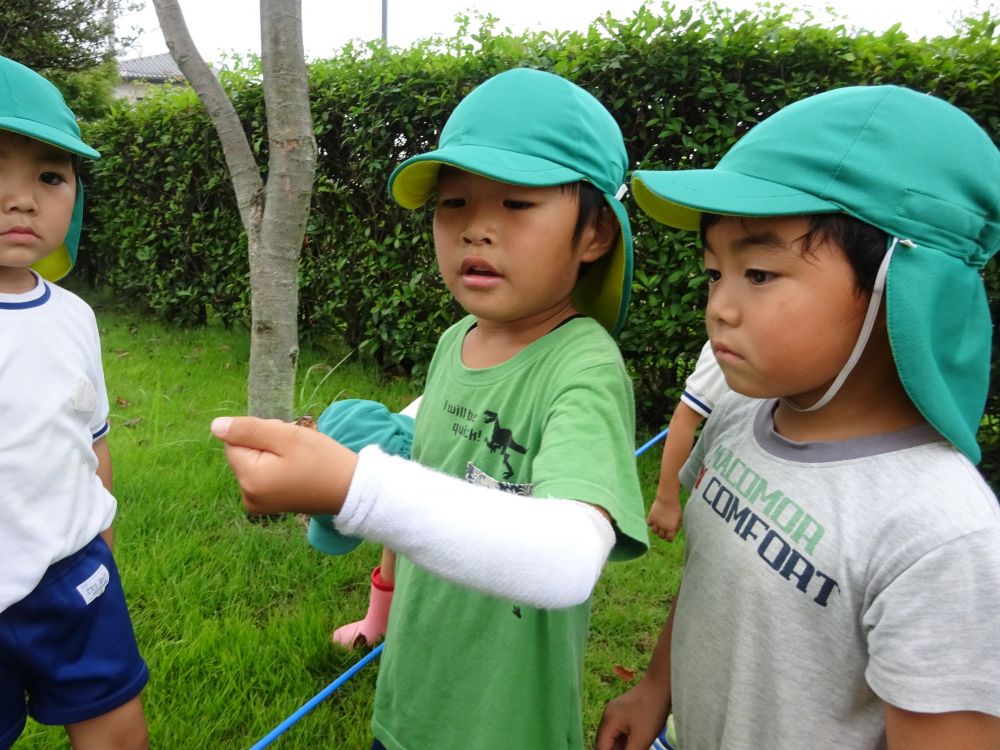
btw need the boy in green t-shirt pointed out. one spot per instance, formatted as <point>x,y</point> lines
<point>523,479</point>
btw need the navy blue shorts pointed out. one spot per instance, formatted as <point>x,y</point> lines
<point>67,650</point>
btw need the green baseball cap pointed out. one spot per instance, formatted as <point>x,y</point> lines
<point>910,164</point>
<point>357,423</point>
<point>33,107</point>
<point>532,128</point>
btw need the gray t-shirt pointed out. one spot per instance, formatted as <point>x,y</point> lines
<point>822,579</point>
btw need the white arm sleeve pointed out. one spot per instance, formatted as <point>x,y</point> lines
<point>542,552</point>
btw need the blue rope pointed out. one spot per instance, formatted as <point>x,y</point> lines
<point>371,656</point>
<point>651,442</point>
<point>321,696</point>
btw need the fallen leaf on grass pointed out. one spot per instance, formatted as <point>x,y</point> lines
<point>625,674</point>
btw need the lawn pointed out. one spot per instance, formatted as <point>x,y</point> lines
<point>234,617</point>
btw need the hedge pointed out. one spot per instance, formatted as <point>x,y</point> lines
<point>163,230</point>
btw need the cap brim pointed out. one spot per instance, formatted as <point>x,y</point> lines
<point>46,133</point>
<point>415,180</point>
<point>605,288</point>
<point>948,383</point>
<point>678,199</point>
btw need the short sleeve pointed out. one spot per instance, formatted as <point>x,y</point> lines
<point>99,425</point>
<point>933,635</point>
<point>588,453</point>
<point>706,385</point>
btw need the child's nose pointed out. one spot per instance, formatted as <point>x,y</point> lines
<point>722,306</point>
<point>17,197</point>
<point>479,228</point>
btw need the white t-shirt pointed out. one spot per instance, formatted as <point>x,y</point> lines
<point>53,406</point>
<point>706,385</point>
<point>822,579</point>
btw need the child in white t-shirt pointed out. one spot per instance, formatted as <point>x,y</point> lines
<point>702,391</point>
<point>68,654</point>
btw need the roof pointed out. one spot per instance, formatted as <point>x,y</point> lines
<point>154,68</point>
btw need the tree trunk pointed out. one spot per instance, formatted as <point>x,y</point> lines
<point>243,169</point>
<point>274,217</point>
<point>274,261</point>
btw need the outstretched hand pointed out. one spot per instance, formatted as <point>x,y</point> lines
<point>282,467</point>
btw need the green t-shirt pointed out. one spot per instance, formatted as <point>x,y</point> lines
<point>464,670</point>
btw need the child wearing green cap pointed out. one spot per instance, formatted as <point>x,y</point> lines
<point>68,653</point>
<point>843,554</point>
<point>523,478</point>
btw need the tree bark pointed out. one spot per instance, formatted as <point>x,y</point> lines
<point>273,216</point>
<point>243,169</point>
<point>274,262</point>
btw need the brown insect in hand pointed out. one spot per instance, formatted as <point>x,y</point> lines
<point>306,420</point>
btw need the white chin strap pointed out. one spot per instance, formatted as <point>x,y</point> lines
<point>866,331</point>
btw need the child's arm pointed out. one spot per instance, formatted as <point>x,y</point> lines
<point>665,514</point>
<point>274,461</point>
<point>702,391</point>
<point>969,730</point>
<point>546,553</point>
<point>637,717</point>
<point>103,453</point>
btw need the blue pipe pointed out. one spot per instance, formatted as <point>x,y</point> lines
<point>651,442</point>
<point>321,696</point>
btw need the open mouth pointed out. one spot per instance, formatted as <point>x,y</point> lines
<point>480,272</point>
<point>475,267</point>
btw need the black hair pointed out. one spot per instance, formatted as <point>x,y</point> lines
<point>74,159</point>
<point>592,207</point>
<point>864,245</point>
<point>590,199</point>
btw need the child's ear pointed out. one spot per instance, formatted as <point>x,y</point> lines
<point>600,237</point>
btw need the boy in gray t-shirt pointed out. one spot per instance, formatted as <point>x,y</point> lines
<point>843,554</point>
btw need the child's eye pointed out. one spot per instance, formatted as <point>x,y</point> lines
<point>52,178</point>
<point>516,205</point>
<point>756,276</point>
<point>451,202</point>
<point>713,275</point>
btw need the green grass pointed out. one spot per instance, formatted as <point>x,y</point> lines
<point>234,618</point>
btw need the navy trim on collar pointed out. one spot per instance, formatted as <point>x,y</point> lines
<point>36,302</point>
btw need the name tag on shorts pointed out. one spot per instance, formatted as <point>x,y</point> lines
<point>94,586</point>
